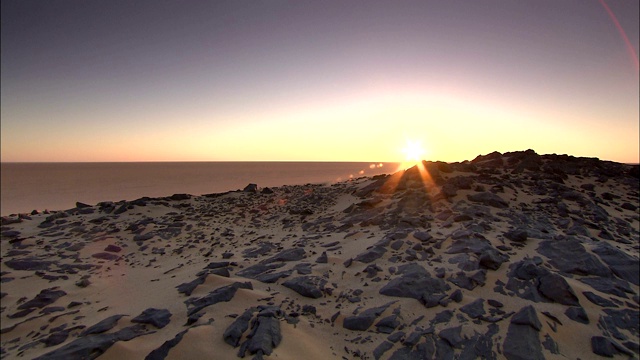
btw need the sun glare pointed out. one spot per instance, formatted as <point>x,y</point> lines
<point>413,151</point>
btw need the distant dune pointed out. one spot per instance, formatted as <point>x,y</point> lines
<point>515,255</point>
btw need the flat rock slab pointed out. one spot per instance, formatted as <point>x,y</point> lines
<point>156,317</point>
<point>308,286</point>
<point>90,347</point>
<point>570,256</point>
<point>365,319</point>
<point>415,282</point>
<point>489,199</point>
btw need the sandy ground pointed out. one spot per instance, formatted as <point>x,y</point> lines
<point>154,245</point>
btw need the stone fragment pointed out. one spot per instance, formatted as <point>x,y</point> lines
<point>156,317</point>
<point>308,286</point>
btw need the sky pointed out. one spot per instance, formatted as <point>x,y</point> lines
<point>317,80</point>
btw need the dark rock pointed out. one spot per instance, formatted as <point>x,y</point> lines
<point>322,259</point>
<point>111,248</point>
<point>469,244</point>
<point>610,286</point>
<point>161,352</point>
<point>599,300</point>
<point>143,237</point>
<point>527,316</point>
<point>102,326</point>
<point>456,296</point>
<point>90,347</point>
<point>365,319</point>
<point>388,324</point>
<point>415,283</point>
<point>571,257</point>
<point>156,317</point>
<point>224,293</point>
<point>423,236</point>
<point>234,332</point>
<point>254,271</point>
<point>381,349</point>
<point>474,309</point>
<point>517,235</point>
<point>550,344</point>
<point>522,342</point>
<point>370,255</point>
<point>180,197</point>
<point>577,313</point>
<point>489,199</point>
<point>309,286</point>
<point>602,346</point>
<point>294,254</point>
<point>28,264</point>
<point>492,259</point>
<point>452,336</point>
<point>251,188</point>
<point>106,256</point>
<point>44,298</point>
<point>266,336</point>
<point>623,265</point>
<point>555,288</point>
<point>56,338</point>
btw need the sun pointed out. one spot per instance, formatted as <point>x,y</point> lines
<point>413,151</point>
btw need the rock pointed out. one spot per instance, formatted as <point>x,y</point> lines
<point>224,293</point>
<point>44,298</point>
<point>143,237</point>
<point>622,265</point>
<point>517,235</point>
<point>388,324</point>
<point>613,286</point>
<point>161,352</point>
<point>156,317</point>
<point>254,272</point>
<point>111,248</point>
<point>527,316</point>
<point>599,300</point>
<point>370,255</point>
<point>602,346</point>
<point>452,336</point>
<point>577,313</point>
<point>322,259</point>
<point>571,257</point>
<point>102,326</point>
<point>28,264</point>
<point>555,288</point>
<point>294,254</point>
<point>381,349</point>
<point>267,335</point>
<point>522,343</point>
<point>234,332</point>
<point>489,199</point>
<point>415,283</point>
<point>180,197</point>
<point>474,309</point>
<point>492,259</point>
<point>308,286</point>
<point>106,256</point>
<point>365,319</point>
<point>90,347</point>
<point>251,188</point>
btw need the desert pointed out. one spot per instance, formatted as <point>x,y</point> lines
<point>510,255</point>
